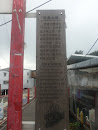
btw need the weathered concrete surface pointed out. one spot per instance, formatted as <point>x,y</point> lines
<point>28,113</point>
<point>51,72</point>
<point>28,117</point>
<point>28,125</point>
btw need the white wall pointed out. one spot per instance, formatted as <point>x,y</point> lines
<point>28,82</point>
<point>4,78</point>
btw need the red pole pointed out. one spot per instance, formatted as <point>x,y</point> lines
<point>15,92</point>
<point>28,94</point>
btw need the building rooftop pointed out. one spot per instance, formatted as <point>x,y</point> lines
<point>76,58</point>
<point>84,64</point>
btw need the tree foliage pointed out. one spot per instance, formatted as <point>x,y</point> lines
<point>95,53</point>
<point>79,52</point>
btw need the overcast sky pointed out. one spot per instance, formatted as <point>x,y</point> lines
<point>81,32</point>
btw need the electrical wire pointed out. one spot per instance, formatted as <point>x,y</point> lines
<point>85,54</point>
<point>4,34</point>
<point>38,6</point>
<point>88,51</point>
<point>26,12</point>
<point>91,47</point>
<point>3,59</point>
<point>6,23</point>
<point>6,29</point>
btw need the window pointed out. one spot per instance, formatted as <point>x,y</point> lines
<point>27,81</point>
<point>5,82</point>
<point>28,73</point>
<point>5,74</point>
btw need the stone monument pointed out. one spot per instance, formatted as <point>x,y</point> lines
<point>52,108</point>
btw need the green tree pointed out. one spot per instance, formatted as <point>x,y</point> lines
<point>95,53</point>
<point>79,52</point>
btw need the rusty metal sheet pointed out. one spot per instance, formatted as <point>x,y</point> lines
<point>51,83</point>
<point>33,74</point>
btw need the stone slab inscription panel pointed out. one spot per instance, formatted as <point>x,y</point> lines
<point>51,82</point>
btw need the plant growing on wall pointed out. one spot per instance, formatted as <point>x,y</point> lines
<point>74,126</point>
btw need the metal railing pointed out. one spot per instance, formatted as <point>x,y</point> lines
<point>28,95</point>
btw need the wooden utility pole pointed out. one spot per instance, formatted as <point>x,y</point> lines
<point>14,117</point>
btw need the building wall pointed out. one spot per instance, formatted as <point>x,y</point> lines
<point>4,79</point>
<point>84,79</point>
<point>28,82</point>
<point>83,85</point>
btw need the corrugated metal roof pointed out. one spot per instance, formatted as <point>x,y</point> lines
<point>6,69</point>
<point>76,58</point>
<point>84,64</point>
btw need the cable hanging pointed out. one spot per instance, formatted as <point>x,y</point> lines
<point>27,12</point>
<point>5,23</point>
<point>3,59</point>
<point>86,53</point>
<point>38,6</point>
<point>91,47</point>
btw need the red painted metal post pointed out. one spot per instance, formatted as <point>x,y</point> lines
<point>28,94</point>
<point>15,93</point>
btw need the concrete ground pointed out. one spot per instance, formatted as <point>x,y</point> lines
<point>28,117</point>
